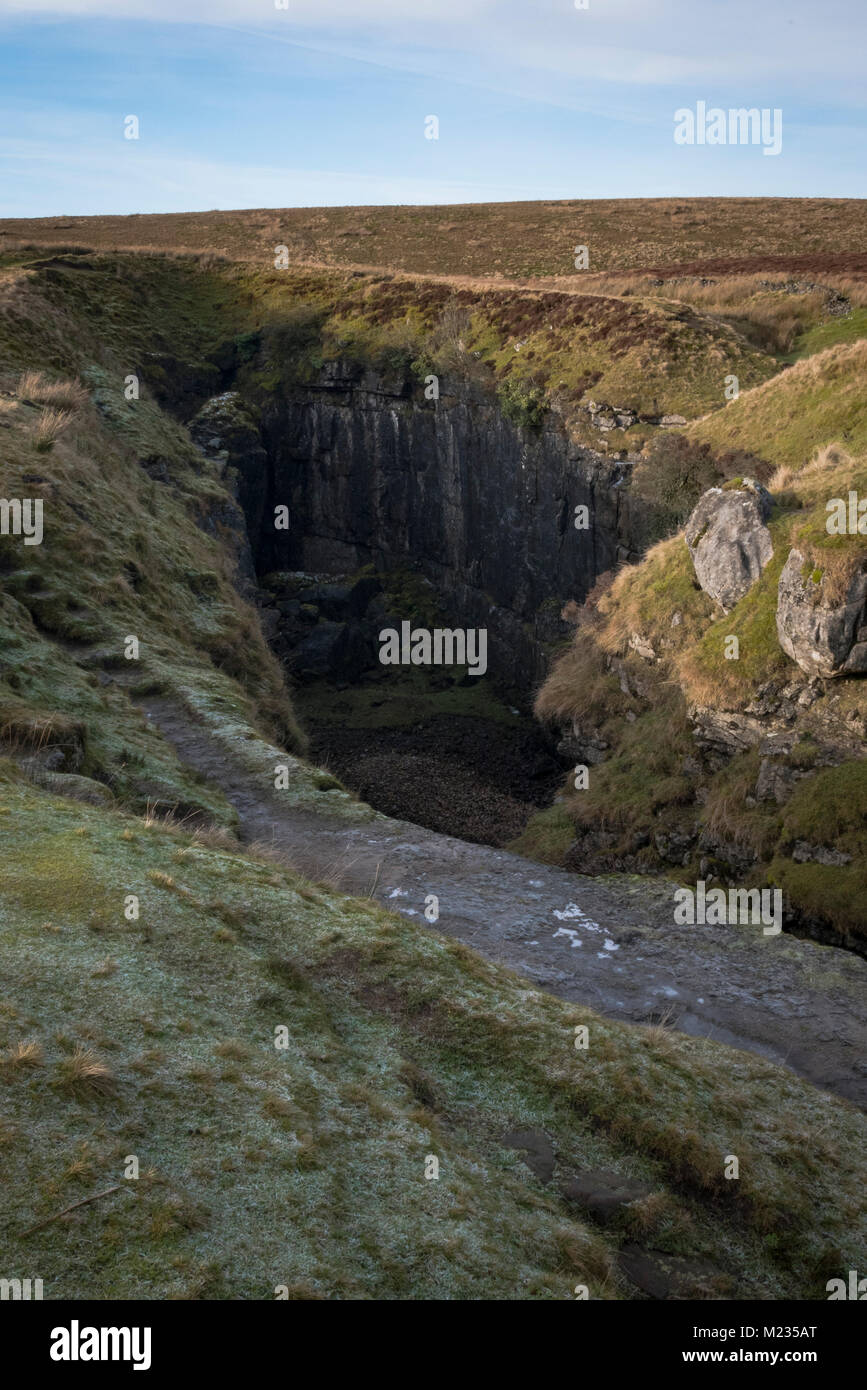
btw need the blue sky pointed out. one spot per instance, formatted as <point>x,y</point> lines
<point>242,104</point>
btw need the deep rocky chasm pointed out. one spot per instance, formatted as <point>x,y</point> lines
<point>482,512</point>
<point>377,481</point>
<point>374,474</point>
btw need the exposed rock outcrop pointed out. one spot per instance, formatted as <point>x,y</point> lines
<point>226,432</point>
<point>373,473</point>
<point>824,637</point>
<point>729,541</point>
<point>611,417</point>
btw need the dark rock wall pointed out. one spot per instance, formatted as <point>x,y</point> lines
<point>373,473</point>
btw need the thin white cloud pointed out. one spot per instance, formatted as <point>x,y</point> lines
<point>320,12</point>
<point>634,42</point>
<point>42,179</point>
<point>623,61</point>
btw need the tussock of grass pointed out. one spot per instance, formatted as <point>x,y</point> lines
<point>50,425</point>
<point>86,1073</point>
<point>68,396</point>
<point>579,685</point>
<point>726,814</point>
<point>22,1055</point>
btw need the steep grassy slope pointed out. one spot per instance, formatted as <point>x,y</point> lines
<point>182,322</point>
<point>124,555</point>
<point>304,1165</point>
<point>817,401</point>
<point>648,669</point>
<point>509,239</point>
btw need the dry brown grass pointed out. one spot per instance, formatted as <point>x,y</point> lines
<point>26,731</point>
<point>770,309</point>
<point>622,608</point>
<point>724,813</point>
<point>49,427</point>
<point>85,1072</point>
<point>81,1167</point>
<point>782,478</point>
<point>34,387</point>
<point>217,837</point>
<point>833,455</point>
<point>727,290</point>
<point>578,687</point>
<point>829,456</point>
<point>501,240</point>
<point>22,1055</point>
<point>826,364</point>
<point>265,852</point>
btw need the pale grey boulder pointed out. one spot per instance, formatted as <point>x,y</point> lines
<point>825,637</point>
<point>729,541</point>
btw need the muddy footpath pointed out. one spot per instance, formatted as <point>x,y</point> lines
<point>609,943</point>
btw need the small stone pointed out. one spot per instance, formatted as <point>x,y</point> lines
<point>538,1151</point>
<point>602,1193</point>
<point>663,1276</point>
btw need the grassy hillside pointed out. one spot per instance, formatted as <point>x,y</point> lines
<point>791,312</point>
<point>513,240</point>
<point>182,320</point>
<point>649,786</point>
<point>818,400</point>
<point>305,1166</point>
<point>537,348</point>
<point>655,346</point>
<point>124,555</point>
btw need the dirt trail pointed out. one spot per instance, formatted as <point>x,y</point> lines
<point>609,943</point>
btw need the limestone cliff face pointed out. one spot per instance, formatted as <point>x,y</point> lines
<point>373,473</point>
